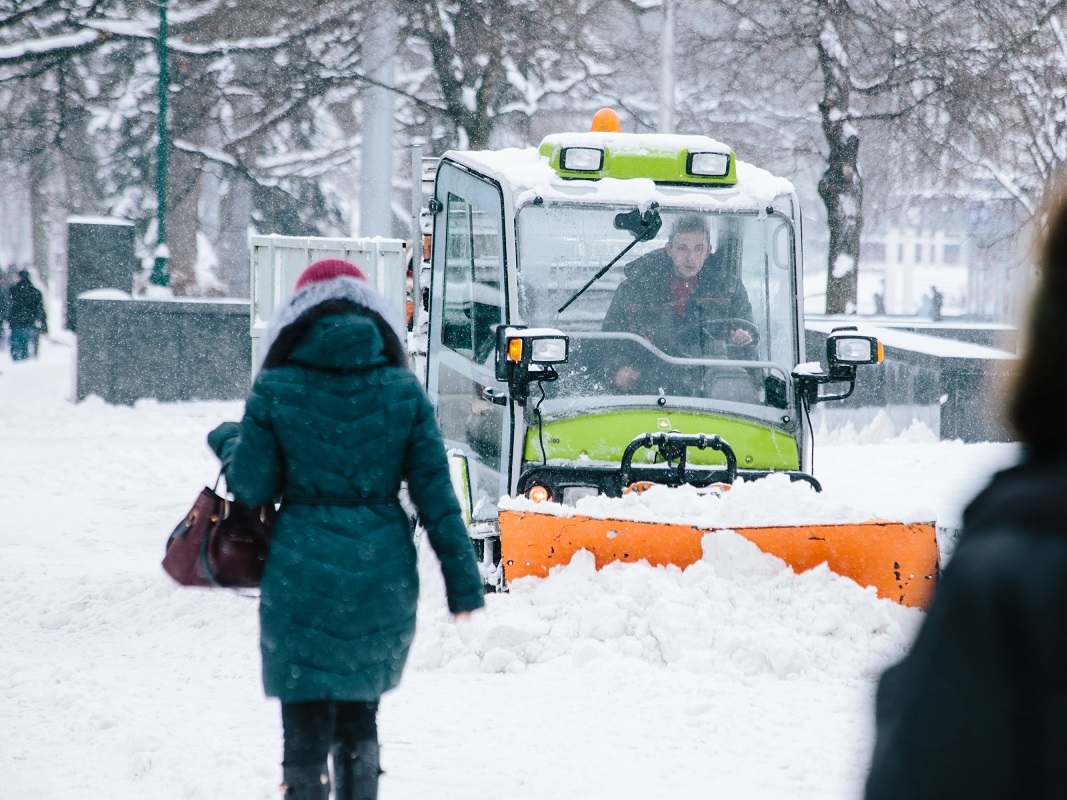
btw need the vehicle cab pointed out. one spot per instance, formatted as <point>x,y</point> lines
<point>541,241</point>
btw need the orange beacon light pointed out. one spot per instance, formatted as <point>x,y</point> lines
<point>607,121</point>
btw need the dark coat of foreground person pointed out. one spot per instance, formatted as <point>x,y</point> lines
<point>978,707</point>
<point>334,423</point>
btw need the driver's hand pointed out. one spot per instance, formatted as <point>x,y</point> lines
<point>626,378</point>
<point>740,336</point>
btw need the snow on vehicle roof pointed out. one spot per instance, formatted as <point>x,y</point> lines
<point>78,219</point>
<point>529,175</point>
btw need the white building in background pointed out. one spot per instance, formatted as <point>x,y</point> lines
<point>903,265</point>
<point>974,249</point>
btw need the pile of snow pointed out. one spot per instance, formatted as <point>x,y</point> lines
<point>869,426</point>
<point>737,614</point>
<point>775,500</point>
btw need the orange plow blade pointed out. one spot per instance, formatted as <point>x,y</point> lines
<point>899,560</point>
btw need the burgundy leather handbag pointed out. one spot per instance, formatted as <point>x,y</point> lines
<point>220,543</point>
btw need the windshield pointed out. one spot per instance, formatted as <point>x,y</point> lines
<point>705,310</point>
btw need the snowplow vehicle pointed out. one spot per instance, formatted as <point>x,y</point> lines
<point>610,312</point>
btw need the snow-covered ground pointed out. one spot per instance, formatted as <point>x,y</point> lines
<point>733,678</point>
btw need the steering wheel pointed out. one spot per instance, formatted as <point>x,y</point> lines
<point>724,327</point>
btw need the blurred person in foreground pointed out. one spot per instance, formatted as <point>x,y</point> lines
<point>334,423</point>
<point>978,707</point>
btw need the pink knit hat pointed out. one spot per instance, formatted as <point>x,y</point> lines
<point>327,270</point>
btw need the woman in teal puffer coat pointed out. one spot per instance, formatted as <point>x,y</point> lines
<point>334,423</point>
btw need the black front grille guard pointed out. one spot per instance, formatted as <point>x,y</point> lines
<point>673,471</point>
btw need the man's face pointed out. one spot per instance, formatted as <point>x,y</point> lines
<point>688,251</point>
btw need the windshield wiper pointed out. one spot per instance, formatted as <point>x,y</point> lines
<point>643,226</point>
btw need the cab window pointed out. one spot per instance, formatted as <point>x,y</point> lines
<point>473,301</point>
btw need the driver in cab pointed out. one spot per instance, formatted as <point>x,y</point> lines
<point>683,300</point>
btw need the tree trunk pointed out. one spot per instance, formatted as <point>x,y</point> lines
<point>48,195</point>
<point>840,187</point>
<point>235,217</point>
<point>183,196</point>
<point>38,174</point>
<point>190,117</point>
<point>479,128</point>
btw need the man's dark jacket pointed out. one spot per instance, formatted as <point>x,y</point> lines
<point>978,708</point>
<point>644,304</point>
<point>333,431</point>
<point>27,306</point>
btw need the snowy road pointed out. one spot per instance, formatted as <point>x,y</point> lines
<point>735,678</point>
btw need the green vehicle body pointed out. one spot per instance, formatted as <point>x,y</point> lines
<point>664,163</point>
<point>603,436</point>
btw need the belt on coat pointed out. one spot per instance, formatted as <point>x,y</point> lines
<point>337,501</point>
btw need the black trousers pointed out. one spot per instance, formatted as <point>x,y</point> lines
<point>312,729</point>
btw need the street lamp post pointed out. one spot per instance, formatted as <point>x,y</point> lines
<point>160,276</point>
<point>666,69</point>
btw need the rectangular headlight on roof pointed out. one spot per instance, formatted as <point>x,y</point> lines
<point>581,159</point>
<point>708,165</point>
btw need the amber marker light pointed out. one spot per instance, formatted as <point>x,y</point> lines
<point>515,350</point>
<point>538,494</point>
<point>606,121</point>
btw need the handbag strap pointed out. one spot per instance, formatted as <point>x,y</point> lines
<point>222,471</point>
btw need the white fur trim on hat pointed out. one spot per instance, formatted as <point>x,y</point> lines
<point>342,288</point>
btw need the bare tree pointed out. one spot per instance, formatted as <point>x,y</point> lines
<point>858,65</point>
<point>493,61</point>
<point>46,84</point>
<point>1008,121</point>
<point>78,72</point>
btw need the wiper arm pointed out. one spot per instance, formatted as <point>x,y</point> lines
<point>644,227</point>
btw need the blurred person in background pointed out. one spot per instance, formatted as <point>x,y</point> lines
<point>334,423</point>
<point>5,307</point>
<point>937,302</point>
<point>978,707</point>
<point>26,317</point>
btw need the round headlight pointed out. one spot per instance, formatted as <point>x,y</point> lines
<point>539,493</point>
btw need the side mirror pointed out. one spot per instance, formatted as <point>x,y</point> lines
<point>643,225</point>
<point>525,355</point>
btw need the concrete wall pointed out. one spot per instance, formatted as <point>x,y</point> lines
<point>168,350</point>
<point>100,254</point>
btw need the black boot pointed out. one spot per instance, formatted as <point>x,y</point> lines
<point>305,783</point>
<point>356,771</point>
